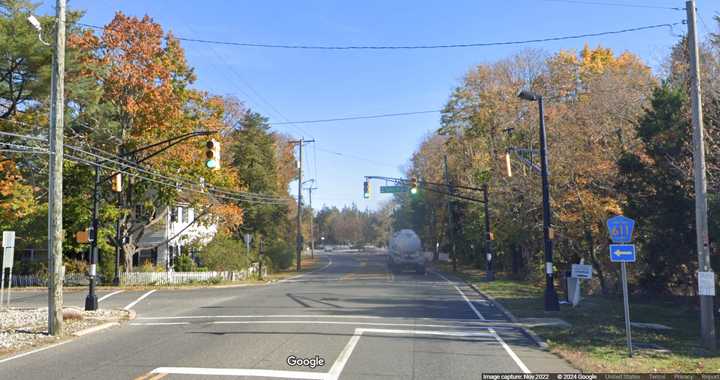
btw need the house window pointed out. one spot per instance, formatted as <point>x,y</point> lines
<point>185,215</point>
<point>174,215</point>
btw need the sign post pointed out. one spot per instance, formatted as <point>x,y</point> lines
<point>8,244</point>
<point>248,238</point>
<point>621,229</point>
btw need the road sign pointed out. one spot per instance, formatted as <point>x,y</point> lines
<point>620,229</point>
<point>393,189</point>
<point>8,239</point>
<point>8,254</point>
<point>581,271</point>
<point>622,253</point>
<point>706,283</point>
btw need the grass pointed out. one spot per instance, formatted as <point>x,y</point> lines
<point>596,341</point>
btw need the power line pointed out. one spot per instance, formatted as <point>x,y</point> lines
<point>413,47</point>
<point>173,181</point>
<point>611,4</point>
<point>361,117</point>
<point>356,157</point>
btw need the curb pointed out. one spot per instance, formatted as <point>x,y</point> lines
<point>529,333</point>
<point>93,329</point>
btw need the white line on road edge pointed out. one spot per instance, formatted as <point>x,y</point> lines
<point>303,274</point>
<point>509,351</point>
<point>266,316</point>
<point>477,313</point>
<point>158,323</point>
<point>33,351</point>
<point>133,303</point>
<point>109,295</point>
<point>96,328</point>
<point>240,372</point>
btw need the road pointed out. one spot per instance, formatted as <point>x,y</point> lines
<point>361,320</point>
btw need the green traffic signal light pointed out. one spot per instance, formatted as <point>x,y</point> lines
<point>366,190</point>
<point>413,190</point>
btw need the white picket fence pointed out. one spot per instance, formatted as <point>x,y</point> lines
<point>175,278</point>
<point>36,280</point>
<point>143,278</point>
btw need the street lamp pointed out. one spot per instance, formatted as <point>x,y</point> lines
<point>551,298</point>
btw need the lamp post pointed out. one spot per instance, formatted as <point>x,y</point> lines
<point>551,297</point>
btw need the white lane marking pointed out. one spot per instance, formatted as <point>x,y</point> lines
<point>158,323</point>
<point>312,271</point>
<point>344,356</point>
<point>480,316</point>
<point>472,306</point>
<point>240,372</point>
<point>133,303</point>
<point>342,359</point>
<point>339,323</point>
<point>109,295</point>
<point>265,316</point>
<point>510,351</point>
<point>33,351</point>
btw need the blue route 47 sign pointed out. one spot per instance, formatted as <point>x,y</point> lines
<point>620,229</point>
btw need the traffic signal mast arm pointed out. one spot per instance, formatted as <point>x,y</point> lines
<point>403,181</point>
<point>170,143</point>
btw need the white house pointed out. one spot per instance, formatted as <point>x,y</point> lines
<point>172,235</point>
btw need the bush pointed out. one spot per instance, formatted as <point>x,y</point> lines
<point>184,264</point>
<point>76,266</point>
<point>281,254</point>
<point>224,253</point>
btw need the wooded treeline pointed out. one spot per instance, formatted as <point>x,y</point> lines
<point>127,86</point>
<point>619,141</point>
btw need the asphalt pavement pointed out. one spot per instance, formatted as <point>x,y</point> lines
<point>351,319</point>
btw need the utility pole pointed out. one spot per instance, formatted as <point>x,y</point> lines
<point>91,301</point>
<point>298,238</point>
<point>451,227</point>
<point>706,276</point>
<point>489,275</point>
<point>312,222</point>
<point>55,196</point>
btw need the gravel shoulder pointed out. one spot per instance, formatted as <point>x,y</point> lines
<point>22,329</point>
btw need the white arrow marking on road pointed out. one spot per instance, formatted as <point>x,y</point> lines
<point>110,295</point>
<point>133,303</point>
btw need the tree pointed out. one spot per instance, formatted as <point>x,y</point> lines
<point>658,191</point>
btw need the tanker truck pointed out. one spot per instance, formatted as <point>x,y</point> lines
<point>405,252</point>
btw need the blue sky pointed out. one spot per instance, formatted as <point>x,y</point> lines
<point>305,85</point>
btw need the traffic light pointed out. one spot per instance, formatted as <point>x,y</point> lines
<point>212,153</point>
<point>366,189</point>
<point>413,185</point>
<point>117,183</point>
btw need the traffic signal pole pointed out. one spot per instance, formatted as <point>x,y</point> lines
<point>489,274</point>
<point>91,301</point>
<point>451,227</point>
<point>298,237</point>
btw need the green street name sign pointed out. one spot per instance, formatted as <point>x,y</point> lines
<point>393,189</point>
